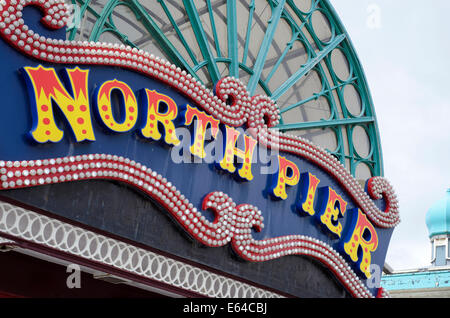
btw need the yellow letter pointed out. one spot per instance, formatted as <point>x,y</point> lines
<point>309,184</point>
<point>47,87</point>
<point>246,155</point>
<point>128,106</point>
<point>154,115</point>
<point>287,173</point>
<point>203,119</point>
<point>332,207</point>
<point>362,236</point>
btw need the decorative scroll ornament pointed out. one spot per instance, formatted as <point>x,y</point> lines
<point>232,105</point>
<point>232,223</point>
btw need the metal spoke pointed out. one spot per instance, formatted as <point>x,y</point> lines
<point>326,123</point>
<point>232,38</point>
<point>202,40</point>
<point>264,49</point>
<point>307,67</point>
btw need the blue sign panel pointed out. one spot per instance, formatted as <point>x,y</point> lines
<point>213,159</point>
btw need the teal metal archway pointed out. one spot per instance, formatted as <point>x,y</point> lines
<point>295,51</point>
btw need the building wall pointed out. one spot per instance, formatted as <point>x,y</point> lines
<point>432,282</point>
<point>421,293</point>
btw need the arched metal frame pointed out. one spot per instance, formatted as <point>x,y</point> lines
<point>295,51</point>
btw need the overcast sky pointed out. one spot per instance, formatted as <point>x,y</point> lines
<point>404,48</point>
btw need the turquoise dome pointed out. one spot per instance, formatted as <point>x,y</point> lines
<point>438,217</point>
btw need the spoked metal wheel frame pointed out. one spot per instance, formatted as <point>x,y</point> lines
<point>295,51</point>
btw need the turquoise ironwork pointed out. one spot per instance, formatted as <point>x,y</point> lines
<point>295,51</point>
<point>201,39</point>
<point>307,67</point>
<point>233,49</point>
<point>264,48</point>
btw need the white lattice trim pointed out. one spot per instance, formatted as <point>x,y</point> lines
<point>36,228</point>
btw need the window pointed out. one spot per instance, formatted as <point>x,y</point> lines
<point>440,256</point>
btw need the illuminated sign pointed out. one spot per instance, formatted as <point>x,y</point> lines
<point>79,111</point>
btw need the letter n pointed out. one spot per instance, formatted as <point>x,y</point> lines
<point>46,89</point>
